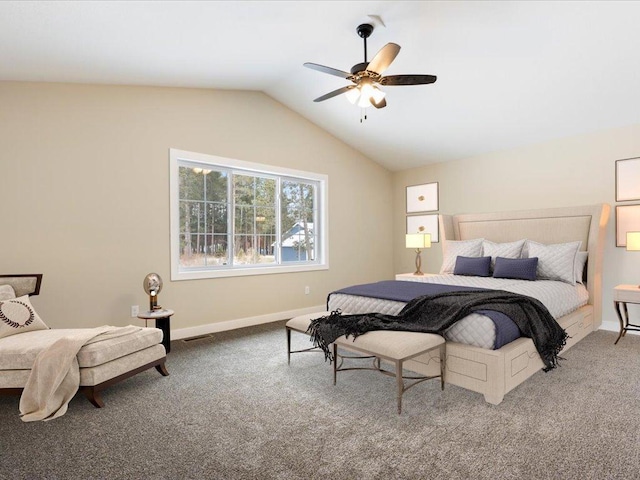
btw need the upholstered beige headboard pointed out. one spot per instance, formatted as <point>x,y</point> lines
<point>552,225</point>
<point>23,284</point>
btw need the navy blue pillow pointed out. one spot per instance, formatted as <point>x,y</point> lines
<point>476,266</point>
<point>519,268</point>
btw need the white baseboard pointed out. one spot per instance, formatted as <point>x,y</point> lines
<point>242,322</point>
<point>275,317</point>
<point>615,327</point>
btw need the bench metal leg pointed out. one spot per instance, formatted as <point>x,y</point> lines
<point>335,363</point>
<point>443,359</point>
<point>400,384</point>
<point>289,351</point>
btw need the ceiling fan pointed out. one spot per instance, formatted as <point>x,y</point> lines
<point>367,76</point>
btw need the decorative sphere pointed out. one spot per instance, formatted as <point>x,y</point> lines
<point>152,282</point>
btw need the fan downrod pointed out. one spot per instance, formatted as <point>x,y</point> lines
<point>364,31</point>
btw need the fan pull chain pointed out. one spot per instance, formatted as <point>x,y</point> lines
<point>363,114</point>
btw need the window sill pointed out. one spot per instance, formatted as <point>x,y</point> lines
<point>244,272</point>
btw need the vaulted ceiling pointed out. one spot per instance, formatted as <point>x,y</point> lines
<point>510,73</point>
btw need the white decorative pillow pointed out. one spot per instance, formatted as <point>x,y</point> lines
<point>581,262</point>
<point>504,250</point>
<point>18,316</point>
<point>555,262</point>
<point>463,248</point>
<point>7,292</point>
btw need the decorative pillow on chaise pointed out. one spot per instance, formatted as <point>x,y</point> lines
<point>456,248</point>
<point>18,316</point>
<point>474,266</point>
<point>7,292</point>
<point>555,262</point>
<point>519,268</point>
<point>504,250</point>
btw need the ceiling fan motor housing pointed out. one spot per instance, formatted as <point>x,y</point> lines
<point>359,67</point>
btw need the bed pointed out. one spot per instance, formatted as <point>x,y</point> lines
<point>495,372</point>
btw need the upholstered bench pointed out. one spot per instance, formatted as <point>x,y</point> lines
<point>391,346</point>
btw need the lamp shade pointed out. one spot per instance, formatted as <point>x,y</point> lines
<point>418,240</point>
<point>633,240</point>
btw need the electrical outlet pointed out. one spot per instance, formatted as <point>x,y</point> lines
<point>135,310</point>
<point>307,290</point>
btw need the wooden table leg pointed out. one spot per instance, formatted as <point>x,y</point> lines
<point>163,324</point>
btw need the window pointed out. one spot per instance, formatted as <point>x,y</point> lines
<point>231,218</point>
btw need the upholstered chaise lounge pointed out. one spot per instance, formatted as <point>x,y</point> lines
<point>101,364</point>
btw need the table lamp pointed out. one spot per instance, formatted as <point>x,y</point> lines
<point>418,241</point>
<point>633,242</point>
<point>153,285</point>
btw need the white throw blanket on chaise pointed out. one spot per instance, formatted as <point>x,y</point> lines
<point>55,375</point>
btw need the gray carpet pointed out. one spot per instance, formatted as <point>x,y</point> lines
<point>233,409</point>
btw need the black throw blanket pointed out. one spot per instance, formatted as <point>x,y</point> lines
<point>436,313</point>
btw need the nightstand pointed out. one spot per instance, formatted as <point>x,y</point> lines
<point>623,294</point>
<point>410,277</point>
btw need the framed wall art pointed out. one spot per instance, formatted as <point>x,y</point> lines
<point>628,179</point>
<point>627,220</point>
<point>422,198</point>
<point>424,224</point>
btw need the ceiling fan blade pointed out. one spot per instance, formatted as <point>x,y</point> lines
<point>383,58</point>
<point>381,104</point>
<point>407,80</point>
<point>335,93</point>
<point>329,70</point>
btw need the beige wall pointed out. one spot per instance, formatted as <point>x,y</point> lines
<point>567,172</point>
<point>85,199</point>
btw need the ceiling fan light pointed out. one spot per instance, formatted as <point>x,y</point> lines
<point>368,91</point>
<point>377,94</point>
<point>353,95</point>
<point>363,101</point>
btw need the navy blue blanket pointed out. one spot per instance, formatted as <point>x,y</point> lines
<point>399,291</point>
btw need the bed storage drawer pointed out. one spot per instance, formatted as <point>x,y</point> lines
<point>577,324</point>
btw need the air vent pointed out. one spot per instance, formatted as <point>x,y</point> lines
<point>192,339</point>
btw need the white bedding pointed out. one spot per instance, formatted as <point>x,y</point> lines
<point>479,330</point>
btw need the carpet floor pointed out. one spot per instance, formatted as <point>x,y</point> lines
<point>233,409</point>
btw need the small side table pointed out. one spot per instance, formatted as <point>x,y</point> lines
<point>623,294</point>
<point>162,322</point>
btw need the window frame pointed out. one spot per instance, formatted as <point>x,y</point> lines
<point>179,158</point>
